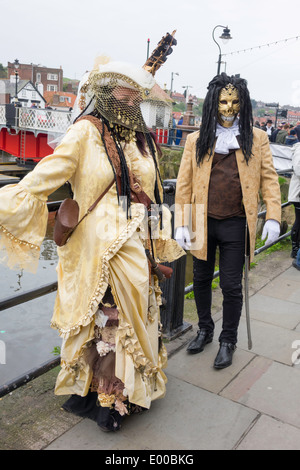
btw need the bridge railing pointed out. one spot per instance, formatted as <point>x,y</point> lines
<point>2,114</point>
<point>56,121</point>
<point>47,120</point>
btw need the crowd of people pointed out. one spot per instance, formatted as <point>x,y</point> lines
<point>284,133</point>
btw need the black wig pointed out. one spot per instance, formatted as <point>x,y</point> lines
<point>206,139</point>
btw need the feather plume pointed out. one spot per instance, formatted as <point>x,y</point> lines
<point>101,60</point>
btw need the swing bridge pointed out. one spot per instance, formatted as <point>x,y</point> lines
<point>26,132</point>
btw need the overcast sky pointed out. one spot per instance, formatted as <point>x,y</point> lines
<point>71,33</point>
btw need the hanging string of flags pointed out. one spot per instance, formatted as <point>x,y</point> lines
<point>263,45</point>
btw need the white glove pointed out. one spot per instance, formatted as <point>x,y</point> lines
<point>182,236</point>
<point>272,230</point>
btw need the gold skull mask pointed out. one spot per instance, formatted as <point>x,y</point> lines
<point>229,105</point>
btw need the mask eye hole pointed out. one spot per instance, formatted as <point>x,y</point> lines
<point>235,101</point>
<point>223,102</point>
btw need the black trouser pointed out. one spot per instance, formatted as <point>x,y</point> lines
<point>296,226</point>
<point>229,235</point>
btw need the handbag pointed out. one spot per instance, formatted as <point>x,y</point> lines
<point>66,218</point>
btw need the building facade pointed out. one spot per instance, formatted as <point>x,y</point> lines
<point>44,78</point>
<point>23,90</point>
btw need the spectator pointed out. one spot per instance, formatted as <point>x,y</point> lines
<point>263,126</point>
<point>257,124</point>
<point>274,133</point>
<point>292,138</point>
<point>282,134</point>
<point>297,129</point>
<point>269,128</point>
<point>179,131</point>
<point>172,132</point>
<point>294,198</point>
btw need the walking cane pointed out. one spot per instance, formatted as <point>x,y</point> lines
<point>246,285</point>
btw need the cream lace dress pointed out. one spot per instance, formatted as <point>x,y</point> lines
<point>105,255</point>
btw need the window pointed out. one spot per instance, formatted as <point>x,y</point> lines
<point>52,76</point>
<point>51,87</point>
<point>38,77</point>
<point>33,95</point>
<point>24,93</point>
<point>62,99</point>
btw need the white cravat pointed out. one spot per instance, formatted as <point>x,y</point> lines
<point>226,138</point>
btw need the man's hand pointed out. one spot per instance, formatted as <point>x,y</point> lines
<point>182,236</point>
<point>272,230</point>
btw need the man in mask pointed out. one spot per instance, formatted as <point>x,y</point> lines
<point>223,168</point>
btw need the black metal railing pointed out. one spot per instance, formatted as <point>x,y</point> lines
<point>178,325</point>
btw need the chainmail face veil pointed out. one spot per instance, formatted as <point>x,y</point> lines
<point>119,101</point>
<point>206,140</point>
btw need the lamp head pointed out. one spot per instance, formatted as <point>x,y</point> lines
<point>225,35</point>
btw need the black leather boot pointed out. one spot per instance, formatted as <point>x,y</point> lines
<point>224,356</point>
<point>197,345</point>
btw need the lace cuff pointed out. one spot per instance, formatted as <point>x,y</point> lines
<point>23,223</point>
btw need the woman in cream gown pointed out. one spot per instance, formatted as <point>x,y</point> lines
<point>107,304</point>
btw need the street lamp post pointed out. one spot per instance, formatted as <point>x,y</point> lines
<point>186,93</point>
<point>16,65</point>
<point>225,37</point>
<point>171,90</point>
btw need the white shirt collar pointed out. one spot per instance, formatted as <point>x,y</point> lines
<point>226,138</point>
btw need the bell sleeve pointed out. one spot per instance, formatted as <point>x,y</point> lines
<point>23,208</point>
